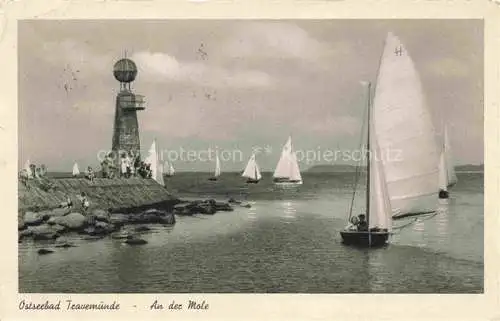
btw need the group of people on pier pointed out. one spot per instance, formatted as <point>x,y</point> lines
<point>129,166</point>
<point>32,172</point>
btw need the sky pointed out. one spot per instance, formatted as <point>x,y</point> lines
<point>236,86</point>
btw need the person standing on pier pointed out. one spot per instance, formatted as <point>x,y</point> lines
<point>90,174</point>
<point>123,166</point>
<point>137,165</point>
<point>85,202</point>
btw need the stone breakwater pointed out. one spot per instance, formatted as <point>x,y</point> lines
<point>51,224</point>
<point>115,203</point>
<point>118,194</point>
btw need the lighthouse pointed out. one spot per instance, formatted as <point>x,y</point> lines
<point>126,127</point>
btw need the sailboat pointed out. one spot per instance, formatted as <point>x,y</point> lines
<point>27,168</point>
<point>443,177</point>
<point>252,172</point>
<point>287,170</point>
<point>76,171</point>
<point>170,169</point>
<point>154,161</point>
<point>217,169</point>
<point>447,175</point>
<point>405,133</point>
<point>375,230</point>
<point>450,168</point>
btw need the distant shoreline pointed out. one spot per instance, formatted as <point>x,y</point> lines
<point>346,168</point>
<point>56,175</point>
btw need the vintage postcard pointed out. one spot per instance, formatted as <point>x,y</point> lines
<point>318,165</point>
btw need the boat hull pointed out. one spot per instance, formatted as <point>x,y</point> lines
<point>367,239</point>
<point>213,179</point>
<point>443,194</point>
<point>252,181</point>
<point>286,181</point>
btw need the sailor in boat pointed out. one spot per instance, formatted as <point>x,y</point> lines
<point>358,223</point>
<point>362,223</point>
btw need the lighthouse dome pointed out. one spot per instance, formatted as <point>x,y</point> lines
<point>125,70</point>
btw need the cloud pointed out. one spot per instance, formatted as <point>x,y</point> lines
<point>278,40</point>
<point>449,67</point>
<point>78,55</point>
<point>340,125</point>
<point>166,67</point>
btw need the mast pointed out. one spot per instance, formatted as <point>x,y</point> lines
<point>368,158</point>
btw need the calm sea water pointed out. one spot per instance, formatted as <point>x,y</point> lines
<point>287,242</point>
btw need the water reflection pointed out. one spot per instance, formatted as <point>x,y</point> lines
<point>289,211</point>
<point>252,212</point>
<point>419,228</point>
<point>442,219</point>
<point>375,267</point>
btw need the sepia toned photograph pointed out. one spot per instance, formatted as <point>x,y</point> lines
<point>251,156</point>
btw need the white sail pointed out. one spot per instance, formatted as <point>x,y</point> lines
<point>288,166</point>
<point>252,170</point>
<point>405,132</point>
<point>76,170</point>
<point>154,162</point>
<point>283,166</point>
<point>217,166</point>
<point>28,169</point>
<point>450,167</point>
<point>159,174</point>
<point>380,211</point>
<point>443,173</point>
<point>294,168</point>
<point>258,175</point>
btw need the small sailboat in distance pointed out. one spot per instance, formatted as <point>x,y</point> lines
<point>450,168</point>
<point>76,171</point>
<point>217,169</point>
<point>252,172</point>
<point>169,169</point>
<point>443,177</point>
<point>287,170</point>
<point>447,176</point>
<point>27,168</point>
<point>154,161</point>
<point>373,228</point>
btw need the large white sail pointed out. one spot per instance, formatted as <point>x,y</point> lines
<point>217,166</point>
<point>252,170</point>
<point>156,167</point>
<point>443,173</point>
<point>76,170</point>
<point>450,167</point>
<point>405,133</point>
<point>288,166</point>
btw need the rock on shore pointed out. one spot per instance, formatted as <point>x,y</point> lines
<point>50,225</point>
<point>44,251</point>
<point>73,221</point>
<point>209,207</point>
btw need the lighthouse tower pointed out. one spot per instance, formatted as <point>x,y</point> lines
<point>126,128</point>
